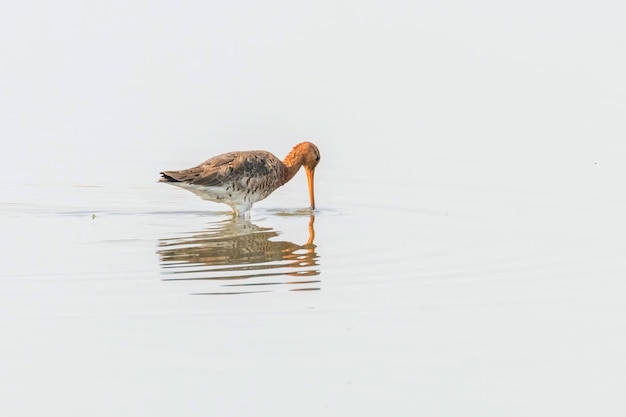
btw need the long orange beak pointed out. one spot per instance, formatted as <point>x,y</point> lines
<point>309,178</point>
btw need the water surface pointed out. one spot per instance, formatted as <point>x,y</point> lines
<point>492,295</point>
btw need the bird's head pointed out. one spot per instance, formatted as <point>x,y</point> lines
<point>310,158</point>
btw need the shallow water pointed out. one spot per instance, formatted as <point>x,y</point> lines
<point>494,299</point>
<point>241,256</point>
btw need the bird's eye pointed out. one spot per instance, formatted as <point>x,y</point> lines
<point>317,158</point>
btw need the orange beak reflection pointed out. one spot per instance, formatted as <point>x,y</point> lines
<point>309,178</point>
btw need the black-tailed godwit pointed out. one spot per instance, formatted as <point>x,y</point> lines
<point>240,179</point>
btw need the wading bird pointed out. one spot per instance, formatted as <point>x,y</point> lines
<point>240,179</point>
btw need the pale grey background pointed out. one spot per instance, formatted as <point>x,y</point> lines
<point>470,227</point>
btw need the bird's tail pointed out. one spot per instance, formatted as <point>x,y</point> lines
<point>165,177</point>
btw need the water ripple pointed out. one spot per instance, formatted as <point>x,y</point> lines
<point>236,256</point>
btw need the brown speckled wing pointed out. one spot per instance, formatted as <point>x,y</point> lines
<point>227,168</point>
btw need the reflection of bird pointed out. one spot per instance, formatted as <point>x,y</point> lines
<point>240,179</point>
<point>243,254</point>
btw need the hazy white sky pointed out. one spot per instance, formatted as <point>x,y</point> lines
<point>134,80</point>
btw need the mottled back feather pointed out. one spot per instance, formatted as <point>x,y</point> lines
<point>222,169</point>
